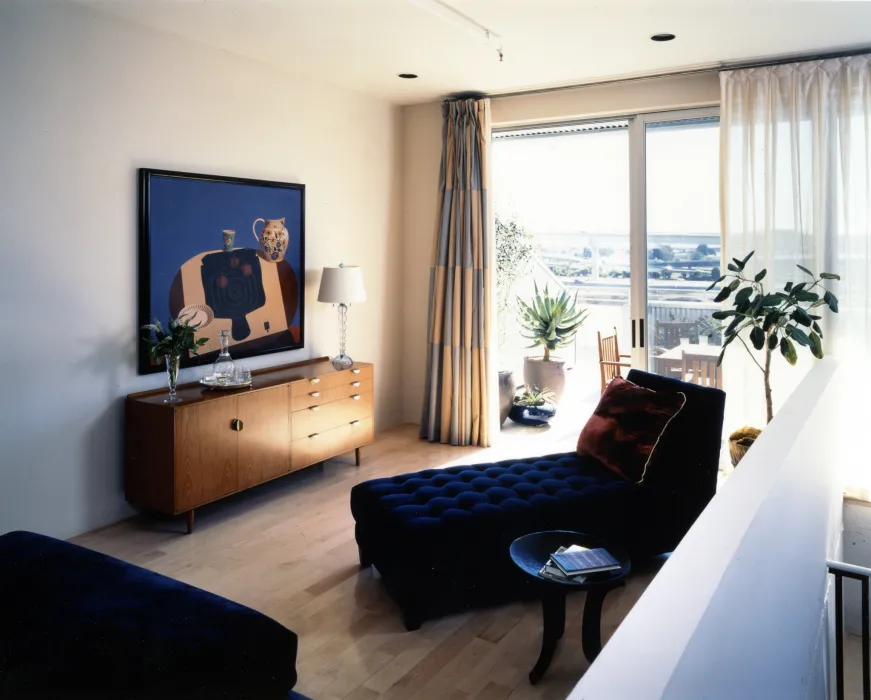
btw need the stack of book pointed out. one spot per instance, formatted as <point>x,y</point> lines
<point>576,563</point>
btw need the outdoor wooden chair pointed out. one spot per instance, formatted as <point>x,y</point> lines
<point>609,357</point>
<point>669,333</point>
<point>701,370</point>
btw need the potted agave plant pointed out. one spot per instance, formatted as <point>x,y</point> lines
<point>169,344</point>
<point>534,407</point>
<point>775,321</point>
<point>552,323</point>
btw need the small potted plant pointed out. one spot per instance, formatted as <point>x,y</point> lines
<point>551,322</point>
<point>534,407</point>
<point>776,321</point>
<point>167,345</point>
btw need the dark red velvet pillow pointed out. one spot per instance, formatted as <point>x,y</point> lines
<point>626,426</point>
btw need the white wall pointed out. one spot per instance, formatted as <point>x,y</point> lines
<point>740,610</point>
<point>421,145</point>
<point>85,100</point>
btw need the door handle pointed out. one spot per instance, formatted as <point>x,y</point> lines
<point>633,333</point>
<point>237,425</point>
<point>641,332</point>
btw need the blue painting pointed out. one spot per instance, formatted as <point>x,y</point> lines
<point>225,253</point>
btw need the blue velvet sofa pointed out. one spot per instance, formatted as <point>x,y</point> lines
<point>75,623</point>
<point>440,537</point>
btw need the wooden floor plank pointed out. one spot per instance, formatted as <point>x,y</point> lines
<point>287,549</point>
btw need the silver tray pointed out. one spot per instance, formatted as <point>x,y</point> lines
<point>212,384</point>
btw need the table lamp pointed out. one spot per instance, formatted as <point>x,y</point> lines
<point>343,286</point>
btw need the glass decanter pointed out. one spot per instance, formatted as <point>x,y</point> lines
<point>224,369</point>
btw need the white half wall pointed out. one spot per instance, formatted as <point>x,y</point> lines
<point>85,100</point>
<point>740,610</point>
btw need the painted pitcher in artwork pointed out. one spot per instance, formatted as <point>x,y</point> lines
<point>273,238</point>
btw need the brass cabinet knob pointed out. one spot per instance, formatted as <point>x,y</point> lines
<point>355,423</point>
<point>355,383</point>
<point>314,436</point>
<point>315,394</point>
<point>356,397</point>
<point>314,408</point>
<point>315,380</point>
<point>237,425</point>
<point>355,371</point>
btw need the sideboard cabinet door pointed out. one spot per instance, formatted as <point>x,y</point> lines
<point>205,453</point>
<point>264,438</point>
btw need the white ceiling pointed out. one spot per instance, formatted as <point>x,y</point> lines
<point>363,44</point>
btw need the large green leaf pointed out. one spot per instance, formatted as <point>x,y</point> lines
<point>831,300</point>
<point>722,315</point>
<point>829,276</point>
<point>799,315</point>
<point>805,295</point>
<point>724,294</point>
<point>743,295</point>
<point>816,345</point>
<point>732,267</point>
<point>770,320</point>
<point>772,341</point>
<point>760,275</point>
<point>804,269</point>
<point>798,335</point>
<point>757,337</point>
<point>714,284</point>
<point>747,257</point>
<point>787,349</point>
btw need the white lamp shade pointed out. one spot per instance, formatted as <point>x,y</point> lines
<point>342,285</point>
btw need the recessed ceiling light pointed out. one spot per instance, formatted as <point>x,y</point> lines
<point>662,37</point>
<point>408,76</point>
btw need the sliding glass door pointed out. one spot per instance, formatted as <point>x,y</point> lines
<point>623,213</point>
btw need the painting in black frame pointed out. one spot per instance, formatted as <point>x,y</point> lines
<point>226,252</point>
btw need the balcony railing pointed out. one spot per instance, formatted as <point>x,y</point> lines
<point>840,571</point>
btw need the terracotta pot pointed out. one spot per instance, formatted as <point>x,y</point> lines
<point>506,393</point>
<point>550,374</point>
<point>741,441</point>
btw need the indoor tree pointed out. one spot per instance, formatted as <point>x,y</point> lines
<point>776,320</point>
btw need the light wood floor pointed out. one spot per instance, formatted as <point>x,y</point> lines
<point>287,549</point>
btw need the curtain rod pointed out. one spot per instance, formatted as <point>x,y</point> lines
<point>714,68</point>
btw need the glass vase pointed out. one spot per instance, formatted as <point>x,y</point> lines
<point>172,364</point>
<point>224,369</point>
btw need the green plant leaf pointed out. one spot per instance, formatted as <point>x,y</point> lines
<point>772,341</point>
<point>831,300</point>
<point>806,296</point>
<point>770,320</point>
<point>732,267</point>
<point>816,346</point>
<point>787,287</point>
<point>723,295</point>
<point>829,276</point>
<point>730,329</point>
<point>798,335</point>
<point>817,329</point>
<point>734,284</point>
<point>787,349</point>
<point>722,315</point>
<point>747,257</point>
<point>720,358</point>
<point>760,275</point>
<point>757,337</point>
<point>799,315</point>
<point>797,288</point>
<point>804,269</point>
<point>775,299</point>
<point>743,295</point>
<point>714,284</point>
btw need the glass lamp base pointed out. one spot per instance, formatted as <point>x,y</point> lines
<point>342,362</point>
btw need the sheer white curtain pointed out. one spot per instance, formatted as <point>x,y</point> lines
<point>796,188</point>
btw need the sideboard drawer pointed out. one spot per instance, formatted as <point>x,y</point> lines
<point>319,419</point>
<point>320,446</point>
<point>318,397</point>
<point>301,387</point>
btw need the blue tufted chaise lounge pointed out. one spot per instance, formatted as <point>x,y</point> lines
<point>440,537</point>
<point>79,625</point>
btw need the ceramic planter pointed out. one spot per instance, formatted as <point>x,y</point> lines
<point>550,374</point>
<point>506,393</point>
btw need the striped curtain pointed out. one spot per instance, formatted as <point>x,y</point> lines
<point>455,406</point>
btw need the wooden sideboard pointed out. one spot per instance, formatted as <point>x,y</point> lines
<point>214,443</point>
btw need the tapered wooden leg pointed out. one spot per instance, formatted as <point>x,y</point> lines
<point>553,609</point>
<point>190,521</point>
<point>591,628</point>
<point>357,455</point>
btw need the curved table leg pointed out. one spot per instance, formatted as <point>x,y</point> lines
<point>553,608</point>
<point>591,629</point>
